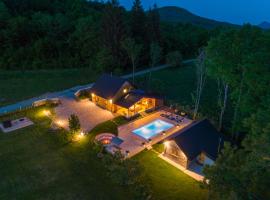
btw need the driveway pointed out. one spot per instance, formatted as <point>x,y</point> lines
<point>89,114</point>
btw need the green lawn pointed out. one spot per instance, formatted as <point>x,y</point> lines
<point>16,85</point>
<point>167,181</point>
<point>38,164</point>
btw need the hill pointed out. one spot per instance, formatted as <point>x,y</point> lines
<point>264,25</point>
<point>175,14</point>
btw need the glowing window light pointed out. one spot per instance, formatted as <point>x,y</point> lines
<point>125,90</point>
<point>110,101</point>
<point>166,144</point>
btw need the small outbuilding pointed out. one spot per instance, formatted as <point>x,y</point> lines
<point>199,143</point>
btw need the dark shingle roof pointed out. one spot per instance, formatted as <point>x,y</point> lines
<point>133,97</point>
<point>107,86</point>
<point>128,100</point>
<point>199,137</point>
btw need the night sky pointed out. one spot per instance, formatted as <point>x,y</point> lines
<point>234,11</point>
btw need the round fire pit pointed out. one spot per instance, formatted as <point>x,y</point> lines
<point>105,138</point>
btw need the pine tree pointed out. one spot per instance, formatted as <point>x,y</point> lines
<point>154,25</point>
<point>113,30</point>
<point>138,21</point>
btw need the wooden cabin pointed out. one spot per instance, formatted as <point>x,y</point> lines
<point>118,95</point>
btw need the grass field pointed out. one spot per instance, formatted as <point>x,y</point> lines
<point>167,181</point>
<point>38,164</point>
<point>17,86</point>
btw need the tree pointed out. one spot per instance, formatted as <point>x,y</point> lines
<point>154,25</point>
<point>133,51</point>
<point>74,123</point>
<point>218,68</point>
<point>138,21</point>
<point>223,89</point>
<point>155,55</point>
<point>4,15</point>
<point>85,41</point>
<point>174,59</point>
<point>242,173</point>
<point>201,77</point>
<point>238,58</point>
<point>113,29</point>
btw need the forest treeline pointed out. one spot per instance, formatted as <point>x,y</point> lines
<point>239,61</point>
<point>50,34</point>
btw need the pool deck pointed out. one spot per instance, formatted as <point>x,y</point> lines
<point>134,143</point>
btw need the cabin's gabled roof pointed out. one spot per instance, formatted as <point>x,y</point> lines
<point>199,137</point>
<point>129,100</point>
<point>133,97</point>
<point>107,86</point>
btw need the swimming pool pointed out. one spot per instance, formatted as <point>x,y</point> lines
<point>152,129</point>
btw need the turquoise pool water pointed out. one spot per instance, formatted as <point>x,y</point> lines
<point>150,130</point>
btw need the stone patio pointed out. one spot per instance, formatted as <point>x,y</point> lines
<point>134,143</point>
<point>89,114</point>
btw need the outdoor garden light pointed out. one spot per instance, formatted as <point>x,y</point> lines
<point>46,112</point>
<point>82,133</point>
<point>60,123</point>
<point>125,90</point>
<point>93,94</point>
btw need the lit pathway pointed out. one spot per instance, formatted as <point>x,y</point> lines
<point>70,92</point>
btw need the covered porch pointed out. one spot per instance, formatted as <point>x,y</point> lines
<point>130,107</point>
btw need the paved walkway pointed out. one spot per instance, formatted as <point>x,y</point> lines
<point>70,92</point>
<point>89,114</point>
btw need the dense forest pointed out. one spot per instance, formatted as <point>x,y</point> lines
<point>74,33</point>
<point>104,37</point>
<point>239,61</point>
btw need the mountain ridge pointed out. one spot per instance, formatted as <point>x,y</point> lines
<point>264,25</point>
<point>174,14</point>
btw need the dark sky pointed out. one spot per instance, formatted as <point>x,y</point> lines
<point>234,11</point>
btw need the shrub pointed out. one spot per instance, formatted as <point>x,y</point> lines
<point>74,123</point>
<point>84,94</point>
